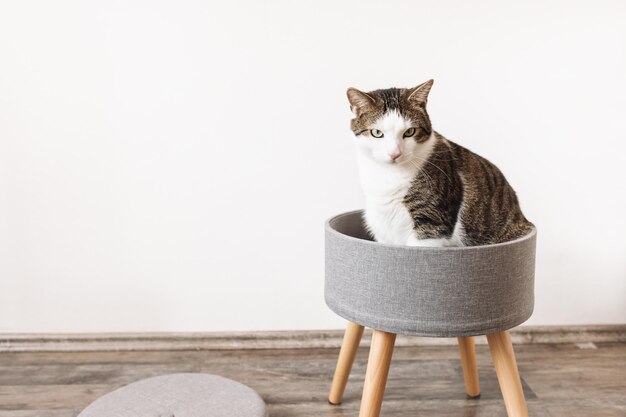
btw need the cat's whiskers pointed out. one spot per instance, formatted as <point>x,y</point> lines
<point>443,152</point>
<point>420,170</point>
<point>428,162</point>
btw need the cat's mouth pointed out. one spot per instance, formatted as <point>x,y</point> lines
<point>401,160</point>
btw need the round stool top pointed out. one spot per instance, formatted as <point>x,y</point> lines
<point>425,291</point>
<point>179,395</point>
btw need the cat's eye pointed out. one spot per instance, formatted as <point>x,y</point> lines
<point>377,133</point>
<point>409,132</point>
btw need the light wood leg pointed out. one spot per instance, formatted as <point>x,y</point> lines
<point>349,346</point>
<point>508,375</point>
<point>376,374</point>
<point>470,368</point>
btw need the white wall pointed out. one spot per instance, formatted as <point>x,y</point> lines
<point>167,166</point>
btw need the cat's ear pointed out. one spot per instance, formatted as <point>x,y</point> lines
<point>359,101</point>
<point>419,94</point>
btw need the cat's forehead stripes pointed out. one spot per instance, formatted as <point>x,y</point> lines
<point>392,101</point>
<point>391,98</point>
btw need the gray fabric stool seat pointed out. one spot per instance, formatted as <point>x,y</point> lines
<point>424,291</point>
<point>179,395</point>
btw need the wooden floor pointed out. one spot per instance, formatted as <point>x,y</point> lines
<point>559,380</point>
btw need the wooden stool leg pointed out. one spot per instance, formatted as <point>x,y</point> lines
<point>508,375</point>
<point>377,371</point>
<point>470,369</point>
<point>349,346</point>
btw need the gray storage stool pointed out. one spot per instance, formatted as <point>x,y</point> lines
<point>422,291</point>
<point>179,395</point>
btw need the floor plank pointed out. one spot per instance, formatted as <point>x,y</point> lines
<point>558,380</point>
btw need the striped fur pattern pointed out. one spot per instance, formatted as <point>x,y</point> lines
<point>422,189</point>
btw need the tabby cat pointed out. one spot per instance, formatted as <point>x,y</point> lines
<point>422,189</point>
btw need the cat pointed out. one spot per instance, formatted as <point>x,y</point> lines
<point>420,188</point>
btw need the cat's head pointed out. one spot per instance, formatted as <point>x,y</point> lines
<point>391,125</point>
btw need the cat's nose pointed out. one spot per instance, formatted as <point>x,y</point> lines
<point>395,155</point>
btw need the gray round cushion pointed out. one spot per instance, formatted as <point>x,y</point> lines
<point>179,395</point>
<point>423,291</point>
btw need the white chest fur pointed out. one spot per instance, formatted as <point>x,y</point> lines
<point>385,187</point>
